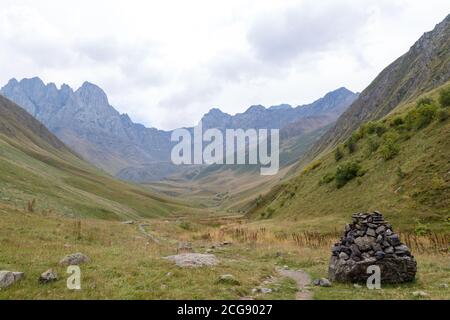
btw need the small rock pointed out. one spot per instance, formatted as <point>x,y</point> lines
<point>357,286</point>
<point>371,232</point>
<point>316,282</point>
<point>128,222</point>
<point>6,279</point>
<point>443,286</point>
<point>380,229</point>
<point>48,276</point>
<point>343,255</point>
<point>228,279</point>
<point>420,294</point>
<point>74,259</point>
<point>325,282</point>
<point>286,267</point>
<point>389,250</point>
<point>379,255</point>
<point>265,290</point>
<point>18,276</point>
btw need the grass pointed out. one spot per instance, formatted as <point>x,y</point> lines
<point>126,265</point>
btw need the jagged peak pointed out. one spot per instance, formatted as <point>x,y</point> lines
<point>92,94</point>
<point>256,108</point>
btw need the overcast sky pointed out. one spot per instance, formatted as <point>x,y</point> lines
<point>166,63</point>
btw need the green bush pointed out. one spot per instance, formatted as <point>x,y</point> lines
<point>442,115</point>
<point>338,154</point>
<point>389,148</point>
<point>327,178</point>
<point>424,101</point>
<point>444,98</point>
<point>398,121</point>
<point>421,117</point>
<point>372,145</point>
<point>346,173</point>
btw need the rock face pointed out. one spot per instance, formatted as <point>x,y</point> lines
<point>367,241</point>
<point>74,259</point>
<point>193,260</point>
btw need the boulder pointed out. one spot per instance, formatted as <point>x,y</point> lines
<point>74,260</point>
<point>193,260</point>
<point>7,278</point>
<point>48,276</point>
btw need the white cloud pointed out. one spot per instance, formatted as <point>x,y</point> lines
<point>167,63</point>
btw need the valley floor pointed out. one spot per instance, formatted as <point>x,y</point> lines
<point>128,264</point>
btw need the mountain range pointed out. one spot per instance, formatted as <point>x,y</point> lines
<point>85,121</point>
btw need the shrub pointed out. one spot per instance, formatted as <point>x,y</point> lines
<point>442,115</point>
<point>424,101</point>
<point>346,173</point>
<point>398,121</point>
<point>425,116</point>
<point>389,148</point>
<point>372,145</point>
<point>380,129</point>
<point>312,166</point>
<point>327,178</point>
<point>338,154</point>
<point>444,97</point>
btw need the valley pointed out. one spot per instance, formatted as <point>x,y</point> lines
<point>77,176</point>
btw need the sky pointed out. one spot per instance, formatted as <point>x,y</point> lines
<point>166,63</point>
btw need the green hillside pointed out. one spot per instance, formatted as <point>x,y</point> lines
<point>399,165</point>
<point>39,173</point>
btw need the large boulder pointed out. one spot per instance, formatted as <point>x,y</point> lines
<point>370,241</point>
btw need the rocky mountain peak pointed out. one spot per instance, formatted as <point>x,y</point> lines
<point>91,95</point>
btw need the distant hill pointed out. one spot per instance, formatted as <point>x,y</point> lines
<point>41,174</point>
<point>86,122</point>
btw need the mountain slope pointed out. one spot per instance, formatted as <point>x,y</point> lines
<point>398,165</point>
<point>39,172</point>
<point>424,67</point>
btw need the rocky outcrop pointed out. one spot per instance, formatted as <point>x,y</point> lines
<point>368,241</point>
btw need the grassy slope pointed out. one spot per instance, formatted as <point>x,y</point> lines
<point>34,164</point>
<point>422,195</point>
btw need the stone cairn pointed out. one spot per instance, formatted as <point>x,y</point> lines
<point>367,241</point>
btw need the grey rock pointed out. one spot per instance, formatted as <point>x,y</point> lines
<point>389,250</point>
<point>420,294</point>
<point>128,222</point>
<point>371,232</point>
<point>228,279</point>
<point>193,260</point>
<point>364,243</point>
<point>74,259</point>
<point>7,278</point>
<point>380,229</point>
<point>324,282</point>
<point>344,256</point>
<point>265,290</point>
<point>48,276</point>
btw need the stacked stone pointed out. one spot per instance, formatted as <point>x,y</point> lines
<point>370,240</point>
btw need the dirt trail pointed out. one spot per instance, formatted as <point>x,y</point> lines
<point>302,279</point>
<point>148,235</point>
